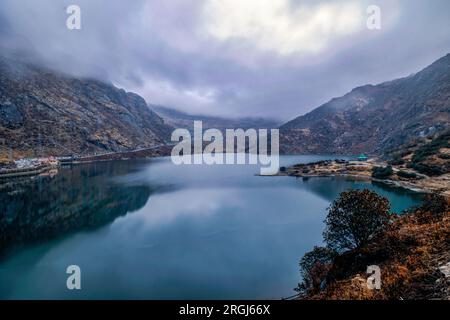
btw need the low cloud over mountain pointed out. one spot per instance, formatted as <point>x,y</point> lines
<point>265,58</point>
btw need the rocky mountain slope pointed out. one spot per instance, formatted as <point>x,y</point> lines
<point>429,156</point>
<point>412,253</point>
<point>374,118</point>
<point>46,113</point>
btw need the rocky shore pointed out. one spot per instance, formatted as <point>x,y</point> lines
<point>27,167</point>
<point>400,177</point>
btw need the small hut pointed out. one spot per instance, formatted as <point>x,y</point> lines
<point>362,157</point>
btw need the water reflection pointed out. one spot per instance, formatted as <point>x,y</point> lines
<point>329,189</point>
<point>80,198</point>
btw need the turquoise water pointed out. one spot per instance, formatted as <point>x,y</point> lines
<point>147,229</point>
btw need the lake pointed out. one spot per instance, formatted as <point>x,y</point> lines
<point>147,229</point>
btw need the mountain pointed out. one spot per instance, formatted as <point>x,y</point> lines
<point>374,118</point>
<point>180,119</point>
<point>43,112</point>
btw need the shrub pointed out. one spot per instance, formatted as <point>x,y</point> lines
<point>435,204</point>
<point>406,174</point>
<point>314,268</point>
<point>382,172</point>
<point>429,170</point>
<point>355,218</point>
<point>397,162</point>
<point>431,148</point>
<point>405,153</point>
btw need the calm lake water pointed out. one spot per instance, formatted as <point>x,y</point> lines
<point>147,229</point>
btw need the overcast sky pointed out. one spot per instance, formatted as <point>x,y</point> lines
<point>270,58</point>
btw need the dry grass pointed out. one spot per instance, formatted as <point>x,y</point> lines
<point>409,254</point>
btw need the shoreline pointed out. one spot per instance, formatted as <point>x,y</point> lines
<point>363,171</point>
<point>392,183</point>
<point>153,152</point>
<point>28,172</point>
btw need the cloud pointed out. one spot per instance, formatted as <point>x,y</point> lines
<point>277,25</point>
<point>275,58</point>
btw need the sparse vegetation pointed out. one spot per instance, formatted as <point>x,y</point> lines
<point>433,207</point>
<point>409,249</point>
<point>429,170</point>
<point>314,267</point>
<point>431,148</point>
<point>406,174</point>
<point>382,172</point>
<point>427,156</point>
<point>397,161</point>
<point>444,156</point>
